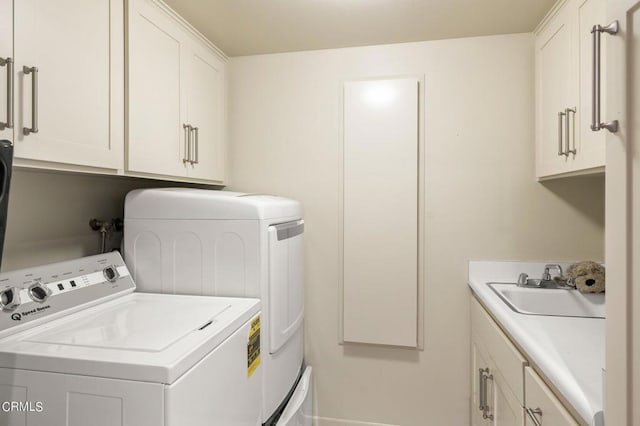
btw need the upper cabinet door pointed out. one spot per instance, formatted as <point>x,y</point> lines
<point>206,105</point>
<point>554,72</point>
<point>590,145</point>
<point>77,47</point>
<point>6,52</point>
<point>156,98</point>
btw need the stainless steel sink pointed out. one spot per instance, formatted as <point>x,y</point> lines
<point>550,302</point>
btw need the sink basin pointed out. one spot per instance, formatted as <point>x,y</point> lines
<point>550,302</point>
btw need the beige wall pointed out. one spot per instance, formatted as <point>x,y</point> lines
<point>482,203</point>
<point>49,214</point>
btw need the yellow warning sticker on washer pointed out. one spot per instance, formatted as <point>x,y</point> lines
<point>253,347</point>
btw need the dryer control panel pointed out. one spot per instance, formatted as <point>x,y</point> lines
<point>30,296</point>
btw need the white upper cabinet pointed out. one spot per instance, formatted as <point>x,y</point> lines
<point>206,113</point>
<point>565,143</point>
<point>176,98</point>
<point>69,84</point>
<point>590,145</point>
<point>157,102</point>
<point>554,73</point>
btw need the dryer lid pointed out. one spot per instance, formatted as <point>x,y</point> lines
<point>205,204</point>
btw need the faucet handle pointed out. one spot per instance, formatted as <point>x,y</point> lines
<point>546,276</point>
<point>522,279</point>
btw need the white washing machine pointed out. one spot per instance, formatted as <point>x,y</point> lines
<point>220,243</point>
<point>79,347</point>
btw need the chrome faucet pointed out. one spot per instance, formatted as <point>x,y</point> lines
<point>546,276</point>
<point>546,281</point>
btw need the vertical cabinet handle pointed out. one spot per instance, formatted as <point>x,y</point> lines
<point>486,412</point>
<point>533,415</point>
<point>187,144</point>
<point>196,147</point>
<point>567,133</point>
<point>483,376</point>
<point>596,124</point>
<point>561,115</point>
<point>34,100</point>
<point>8,62</point>
<point>481,389</point>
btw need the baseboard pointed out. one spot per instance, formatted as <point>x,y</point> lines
<point>328,421</point>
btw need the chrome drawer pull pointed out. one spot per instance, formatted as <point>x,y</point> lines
<point>532,415</point>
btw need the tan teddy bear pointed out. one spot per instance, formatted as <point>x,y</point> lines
<point>587,277</point>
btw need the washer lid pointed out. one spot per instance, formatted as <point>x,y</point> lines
<point>140,337</point>
<point>137,325</point>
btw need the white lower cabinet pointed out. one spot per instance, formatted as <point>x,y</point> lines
<point>541,405</point>
<point>498,394</point>
<point>505,390</point>
<point>176,98</point>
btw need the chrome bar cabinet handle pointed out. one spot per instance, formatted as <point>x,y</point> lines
<point>196,144</point>
<point>34,100</point>
<point>596,124</point>
<point>486,412</point>
<point>8,62</point>
<point>568,111</point>
<point>481,389</point>
<point>532,415</point>
<point>187,144</point>
<point>560,148</point>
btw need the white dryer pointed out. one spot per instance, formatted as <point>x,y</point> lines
<point>204,242</point>
<point>78,347</point>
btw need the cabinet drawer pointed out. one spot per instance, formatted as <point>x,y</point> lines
<point>542,404</point>
<point>501,351</point>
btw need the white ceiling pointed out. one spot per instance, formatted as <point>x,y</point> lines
<point>246,27</point>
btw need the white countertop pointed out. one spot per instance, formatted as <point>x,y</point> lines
<point>568,351</point>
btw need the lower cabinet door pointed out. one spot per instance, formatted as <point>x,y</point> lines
<point>542,408</point>
<point>479,365</point>
<point>505,407</point>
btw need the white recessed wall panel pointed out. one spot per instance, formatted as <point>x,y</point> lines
<point>380,202</point>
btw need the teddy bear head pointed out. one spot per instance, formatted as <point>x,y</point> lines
<point>588,277</point>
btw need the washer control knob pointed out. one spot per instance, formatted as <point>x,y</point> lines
<point>110,273</point>
<point>39,292</point>
<point>9,299</point>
